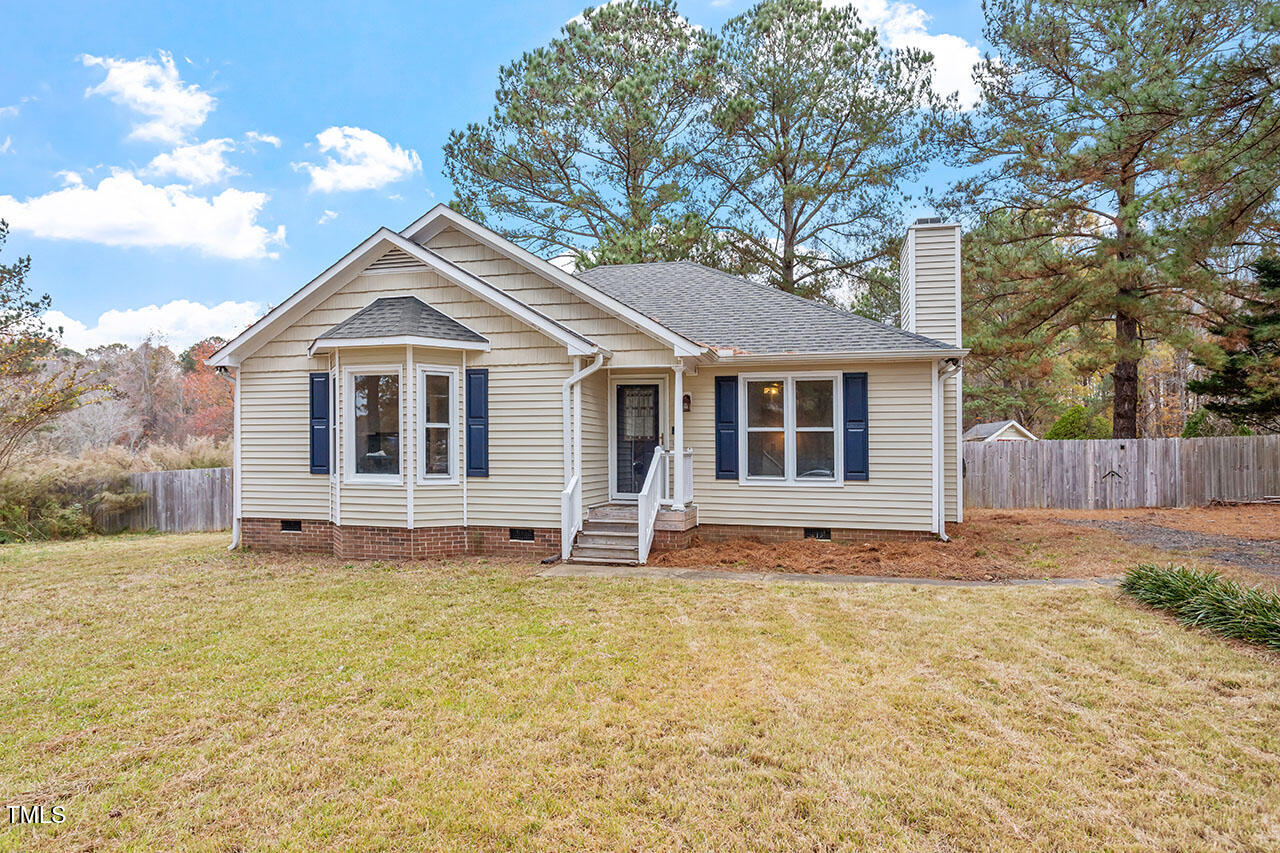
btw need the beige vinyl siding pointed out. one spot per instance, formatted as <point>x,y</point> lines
<point>526,451</point>
<point>275,450</point>
<point>898,495</point>
<point>595,438</point>
<point>525,457</point>
<point>935,282</point>
<point>629,346</point>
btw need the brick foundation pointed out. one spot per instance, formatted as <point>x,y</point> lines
<point>396,543</point>
<point>351,542</point>
<point>674,540</point>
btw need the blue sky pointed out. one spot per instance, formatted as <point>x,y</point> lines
<point>178,168</point>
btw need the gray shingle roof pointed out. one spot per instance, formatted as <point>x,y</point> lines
<point>716,309</point>
<point>984,430</point>
<point>396,316</point>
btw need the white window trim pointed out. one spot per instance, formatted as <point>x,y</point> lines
<point>454,424</point>
<point>349,374</point>
<point>789,428</point>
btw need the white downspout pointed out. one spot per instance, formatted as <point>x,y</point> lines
<point>572,442</point>
<point>235,465</point>
<point>943,370</point>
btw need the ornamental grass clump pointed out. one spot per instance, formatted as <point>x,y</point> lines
<point>1206,600</point>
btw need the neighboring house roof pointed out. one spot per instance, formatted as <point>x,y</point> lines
<point>401,319</point>
<point>361,257</point>
<point>993,431</point>
<point>726,312</point>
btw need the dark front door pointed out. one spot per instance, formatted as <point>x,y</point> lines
<point>638,432</point>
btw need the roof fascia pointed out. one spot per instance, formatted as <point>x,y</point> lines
<point>326,344</point>
<point>441,217</point>
<point>825,357</point>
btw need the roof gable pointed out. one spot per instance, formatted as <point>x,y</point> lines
<point>441,216</point>
<point>361,258</point>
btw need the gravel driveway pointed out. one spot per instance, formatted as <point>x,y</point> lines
<point>1259,555</point>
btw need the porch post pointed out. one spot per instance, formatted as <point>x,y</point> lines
<point>677,468</point>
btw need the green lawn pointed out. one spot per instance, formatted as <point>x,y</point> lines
<point>170,695</point>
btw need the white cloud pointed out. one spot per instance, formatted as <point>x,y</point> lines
<point>364,161</point>
<point>7,112</point>
<point>179,324</point>
<point>327,216</point>
<point>124,211</point>
<point>153,89</point>
<point>7,145</point>
<point>202,163</point>
<point>254,136</point>
<point>904,24</point>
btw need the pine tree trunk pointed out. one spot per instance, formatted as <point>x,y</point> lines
<point>1124,379</point>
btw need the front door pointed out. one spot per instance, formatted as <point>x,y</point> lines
<point>638,433</point>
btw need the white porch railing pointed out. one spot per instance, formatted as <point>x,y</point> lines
<point>655,486</point>
<point>672,459</point>
<point>570,515</point>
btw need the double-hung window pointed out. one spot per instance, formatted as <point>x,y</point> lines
<point>790,429</point>
<point>373,411</point>
<point>438,424</point>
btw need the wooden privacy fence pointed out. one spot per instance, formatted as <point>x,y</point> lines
<point>177,502</point>
<point>1120,473</point>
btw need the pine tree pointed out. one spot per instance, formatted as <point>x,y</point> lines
<point>1134,148</point>
<point>820,129</point>
<point>590,146</point>
<point>1243,383</point>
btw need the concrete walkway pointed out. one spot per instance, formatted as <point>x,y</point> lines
<point>602,570</point>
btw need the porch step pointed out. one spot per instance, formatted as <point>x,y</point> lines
<point>605,553</point>
<point>611,525</point>
<point>613,512</point>
<point>590,536</point>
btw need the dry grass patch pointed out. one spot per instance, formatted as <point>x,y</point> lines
<point>173,696</point>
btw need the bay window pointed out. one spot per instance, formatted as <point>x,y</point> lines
<point>790,428</point>
<point>438,427</point>
<point>373,411</point>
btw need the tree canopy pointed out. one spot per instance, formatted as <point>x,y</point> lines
<point>1242,383</point>
<point>590,148</point>
<point>1134,150</point>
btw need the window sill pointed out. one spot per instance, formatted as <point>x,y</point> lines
<point>436,481</point>
<point>781,481</point>
<point>374,480</point>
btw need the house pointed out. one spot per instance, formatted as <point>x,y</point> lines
<point>440,390</point>
<point>999,431</point>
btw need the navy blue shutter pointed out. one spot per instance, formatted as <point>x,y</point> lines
<point>478,422</point>
<point>319,391</point>
<point>855,427</point>
<point>726,427</point>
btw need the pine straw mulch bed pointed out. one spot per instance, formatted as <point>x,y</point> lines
<point>990,545</point>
